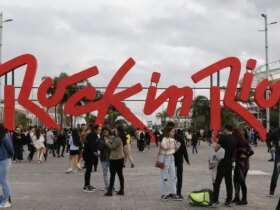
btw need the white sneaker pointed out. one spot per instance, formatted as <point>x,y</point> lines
<point>69,170</point>
<point>7,204</point>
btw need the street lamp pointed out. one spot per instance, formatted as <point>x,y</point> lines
<point>266,66</point>
<point>1,30</point>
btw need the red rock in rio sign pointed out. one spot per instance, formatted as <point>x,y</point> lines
<point>152,103</point>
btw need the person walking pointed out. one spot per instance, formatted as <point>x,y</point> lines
<point>228,143</point>
<point>180,155</point>
<point>38,142</point>
<point>6,153</point>
<point>61,143</point>
<point>243,152</point>
<point>188,135</point>
<point>194,143</point>
<point>105,155</point>
<point>74,148</point>
<point>50,143</point>
<point>89,154</point>
<point>116,160</point>
<point>167,149</point>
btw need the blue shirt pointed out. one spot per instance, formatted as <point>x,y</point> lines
<point>6,148</point>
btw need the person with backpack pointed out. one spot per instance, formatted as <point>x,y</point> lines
<point>243,152</point>
<point>6,153</point>
<point>89,154</point>
<point>74,148</point>
<point>179,156</point>
<point>228,143</point>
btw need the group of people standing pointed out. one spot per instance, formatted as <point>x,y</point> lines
<point>236,148</point>
<point>112,146</point>
<point>38,141</point>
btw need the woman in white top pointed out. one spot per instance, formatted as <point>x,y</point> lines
<point>168,147</point>
<point>188,137</point>
<point>38,142</point>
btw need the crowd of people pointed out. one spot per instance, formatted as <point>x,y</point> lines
<point>89,145</point>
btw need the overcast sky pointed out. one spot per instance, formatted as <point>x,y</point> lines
<point>175,38</point>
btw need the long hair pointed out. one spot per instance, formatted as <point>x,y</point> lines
<point>121,134</point>
<point>103,130</point>
<point>76,137</point>
<point>169,126</point>
<point>38,133</point>
<point>239,135</point>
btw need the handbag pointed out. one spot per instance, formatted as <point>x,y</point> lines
<point>159,164</point>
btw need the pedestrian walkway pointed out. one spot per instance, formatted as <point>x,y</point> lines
<point>46,186</point>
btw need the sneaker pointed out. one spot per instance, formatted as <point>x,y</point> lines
<point>164,197</point>
<point>270,195</point>
<point>180,197</point>
<point>242,203</point>
<point>132,165</point>
<point>227,204</point>
<point>174,197</point>
<point>120,192</point>
<point>92,188</point>
<point>7,204</point>
<point>215,205</point>
<point>69,170</point>
<point>88,189</point>
<point>109,194</point>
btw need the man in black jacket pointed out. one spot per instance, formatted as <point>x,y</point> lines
<point>180,155</point>
<point>229,144</point>
<point>90,153</point>
<point>274,138</point>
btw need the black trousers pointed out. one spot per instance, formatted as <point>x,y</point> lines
<point>60,149</point>
<point>95,163</point>
<point>88,166</point>
<point>50,147</point>
<point>179,173</point>
<point>275,175</point>
<point>239,180</point>
<point>224,171</point>
<point>116,167</point>
<point>18,152</point>
<point>32,151</point>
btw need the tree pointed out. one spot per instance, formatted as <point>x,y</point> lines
<point>200,113</point>
<point>22,120</point>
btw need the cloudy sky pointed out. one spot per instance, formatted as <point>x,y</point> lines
<point>175,38</point>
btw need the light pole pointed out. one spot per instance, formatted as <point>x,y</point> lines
<point>1,30</point>
<point>266,65</point>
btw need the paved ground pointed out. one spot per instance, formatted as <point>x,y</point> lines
<point>46,186</point>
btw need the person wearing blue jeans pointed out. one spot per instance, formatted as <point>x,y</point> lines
<point>168,179</point>
<point>105,155</point>
<point>6,153</point>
